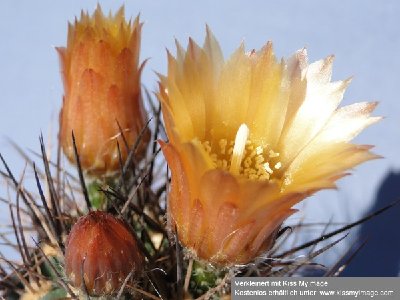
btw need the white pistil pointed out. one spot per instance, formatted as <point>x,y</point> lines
<point>238,148</point>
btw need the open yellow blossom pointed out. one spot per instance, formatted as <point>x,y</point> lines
<point>101,73</point>
<point>249,138</point>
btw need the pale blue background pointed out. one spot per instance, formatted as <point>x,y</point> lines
<point>364,36</point>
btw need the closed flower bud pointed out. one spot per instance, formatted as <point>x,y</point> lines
<point>102,251</point>
<point>102,98</point>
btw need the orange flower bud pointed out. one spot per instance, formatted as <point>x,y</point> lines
<point>101,75</point>
<point>102,250</point>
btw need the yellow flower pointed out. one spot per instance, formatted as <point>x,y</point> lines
<point>101,74</point>
<point>249,138</point>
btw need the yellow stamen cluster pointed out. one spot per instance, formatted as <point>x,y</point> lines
<point>243,157</point>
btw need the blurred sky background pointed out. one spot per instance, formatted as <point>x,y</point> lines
<point>363,35</point>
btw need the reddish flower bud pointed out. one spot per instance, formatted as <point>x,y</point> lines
<point>102,250</point>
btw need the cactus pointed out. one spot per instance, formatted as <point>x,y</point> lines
<point>132,187</point>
